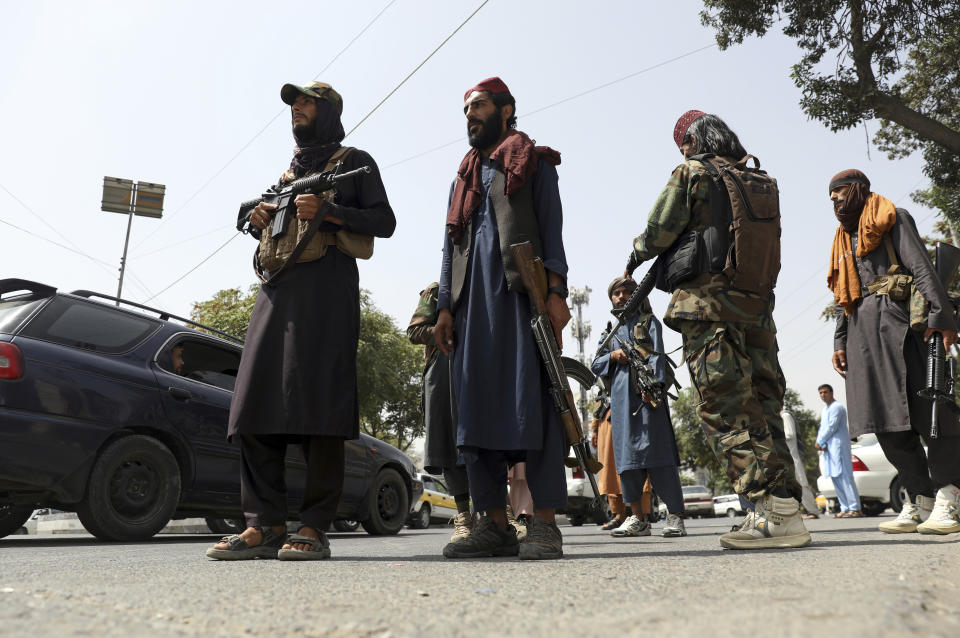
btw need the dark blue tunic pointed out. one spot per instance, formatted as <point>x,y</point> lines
<point>496,366</point>
<point>645,440</point>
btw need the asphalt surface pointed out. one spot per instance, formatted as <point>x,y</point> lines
<point>853,581</point>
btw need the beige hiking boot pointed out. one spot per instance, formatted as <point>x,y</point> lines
<point>945,517</point>
<point>911,515</point>
<point>776,523</point>
<point>463,524</point>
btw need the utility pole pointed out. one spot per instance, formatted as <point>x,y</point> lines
<point>580,297</point>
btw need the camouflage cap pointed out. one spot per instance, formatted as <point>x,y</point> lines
<point>322,90</point>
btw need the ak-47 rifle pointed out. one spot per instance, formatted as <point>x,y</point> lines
<point>283,197</point>
<point>941,373</point>
<point>535,281</point>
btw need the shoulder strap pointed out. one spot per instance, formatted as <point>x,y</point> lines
<point>890,252</point>
<point>338,157</point>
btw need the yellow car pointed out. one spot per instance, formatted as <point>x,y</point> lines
<point>435,503</point>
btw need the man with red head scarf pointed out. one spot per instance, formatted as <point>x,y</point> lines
<point>505,192</point>
<point>729,337</point>
<point>882,360</point>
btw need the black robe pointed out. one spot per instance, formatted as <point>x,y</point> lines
<point>886,360</point>
<point>298,373</point>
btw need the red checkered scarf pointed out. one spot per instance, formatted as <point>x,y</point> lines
<point>516,153</point>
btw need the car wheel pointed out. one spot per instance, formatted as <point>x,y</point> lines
<point>731,513</point>
<point>133,490</point>
<point>344,525</point>
<point>388,503</point>
<point>872,508</point>
<point>226,525</point>
<point>898,495</point>
<point>576,520</point>
<point>12,518</point>
<point>421,519</point>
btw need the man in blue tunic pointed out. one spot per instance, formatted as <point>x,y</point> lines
<point>643,440</point>
<point>833,439</point>
<point>505,193</point>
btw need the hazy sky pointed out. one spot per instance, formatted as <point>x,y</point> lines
<point>187,94</point>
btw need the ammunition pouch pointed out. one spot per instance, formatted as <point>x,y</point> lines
<point>273,253</point>
<point>897,283</point>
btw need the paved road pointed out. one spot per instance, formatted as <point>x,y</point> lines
<point>853,581</point>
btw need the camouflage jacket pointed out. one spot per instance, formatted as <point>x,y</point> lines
<point>420,330</point>
<point>684,204</point>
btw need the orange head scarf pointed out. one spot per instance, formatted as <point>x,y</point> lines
<point>876,218</point>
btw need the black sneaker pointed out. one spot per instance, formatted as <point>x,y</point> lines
<point>486,539</point>
<point>543,542</point>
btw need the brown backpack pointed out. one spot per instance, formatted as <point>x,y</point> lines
<point>753,255</point>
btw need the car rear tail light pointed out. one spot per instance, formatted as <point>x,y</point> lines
<point>859,466</point>
<point>11,361</point>
<point>578,473</point>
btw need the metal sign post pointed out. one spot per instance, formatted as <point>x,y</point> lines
<point>144,199</point>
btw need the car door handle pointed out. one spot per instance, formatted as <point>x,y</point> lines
<point>180,394</point>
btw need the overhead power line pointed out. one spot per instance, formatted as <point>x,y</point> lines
<point>202,262</point>
<point>402,82</point>
<point>260,132</point>
<point>410,75</point>
<point>624,78</point>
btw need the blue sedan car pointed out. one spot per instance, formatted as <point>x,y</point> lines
<point>119,412</point>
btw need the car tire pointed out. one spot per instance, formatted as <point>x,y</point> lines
<point>872,508</point>
<point>421,519</point>
<point>388,503</point>
<point>226,525</point>
<point>576,520</point>
<point>345,525</point>
<point>132,491</point>
<point>731,513</point>
<point>898,495</point>
<point>12,518</point>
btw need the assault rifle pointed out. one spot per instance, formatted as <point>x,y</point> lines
<point>642,376</point>
<point>283,197</point>
<point>535,281</point>
<point>941,374</point>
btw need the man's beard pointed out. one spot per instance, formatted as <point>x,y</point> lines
<point>489,132</point>
<point>304,132</point>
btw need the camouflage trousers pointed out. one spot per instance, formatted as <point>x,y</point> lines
<point>740,388</point>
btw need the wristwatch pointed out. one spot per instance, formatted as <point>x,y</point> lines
<point>558,290</point>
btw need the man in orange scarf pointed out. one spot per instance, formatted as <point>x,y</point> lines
<point>881,358</point>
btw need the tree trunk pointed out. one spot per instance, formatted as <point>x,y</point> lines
<point>886,105</point>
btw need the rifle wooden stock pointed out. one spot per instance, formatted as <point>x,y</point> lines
<point>534,278</point>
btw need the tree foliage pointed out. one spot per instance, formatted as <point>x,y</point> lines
<point>890,59</point>
<point>696,453</point>
<point>228,310</point>
<point>388,365</point>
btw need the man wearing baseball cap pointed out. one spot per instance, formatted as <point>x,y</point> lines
<point>729,338</point>
<point>297,381</point>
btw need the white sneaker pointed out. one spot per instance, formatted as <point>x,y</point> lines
<point>745,524</point>
<point>945,517</point>
<point>633,526</point>
<point>776,523</point>
<point>674,526</point>
<point>911,515</point>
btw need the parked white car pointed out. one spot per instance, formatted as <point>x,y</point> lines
<point>876,479</point>
<point>727,505</point>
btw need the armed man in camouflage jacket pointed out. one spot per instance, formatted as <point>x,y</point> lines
<point>730,344</point>
<point>439,412</point>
